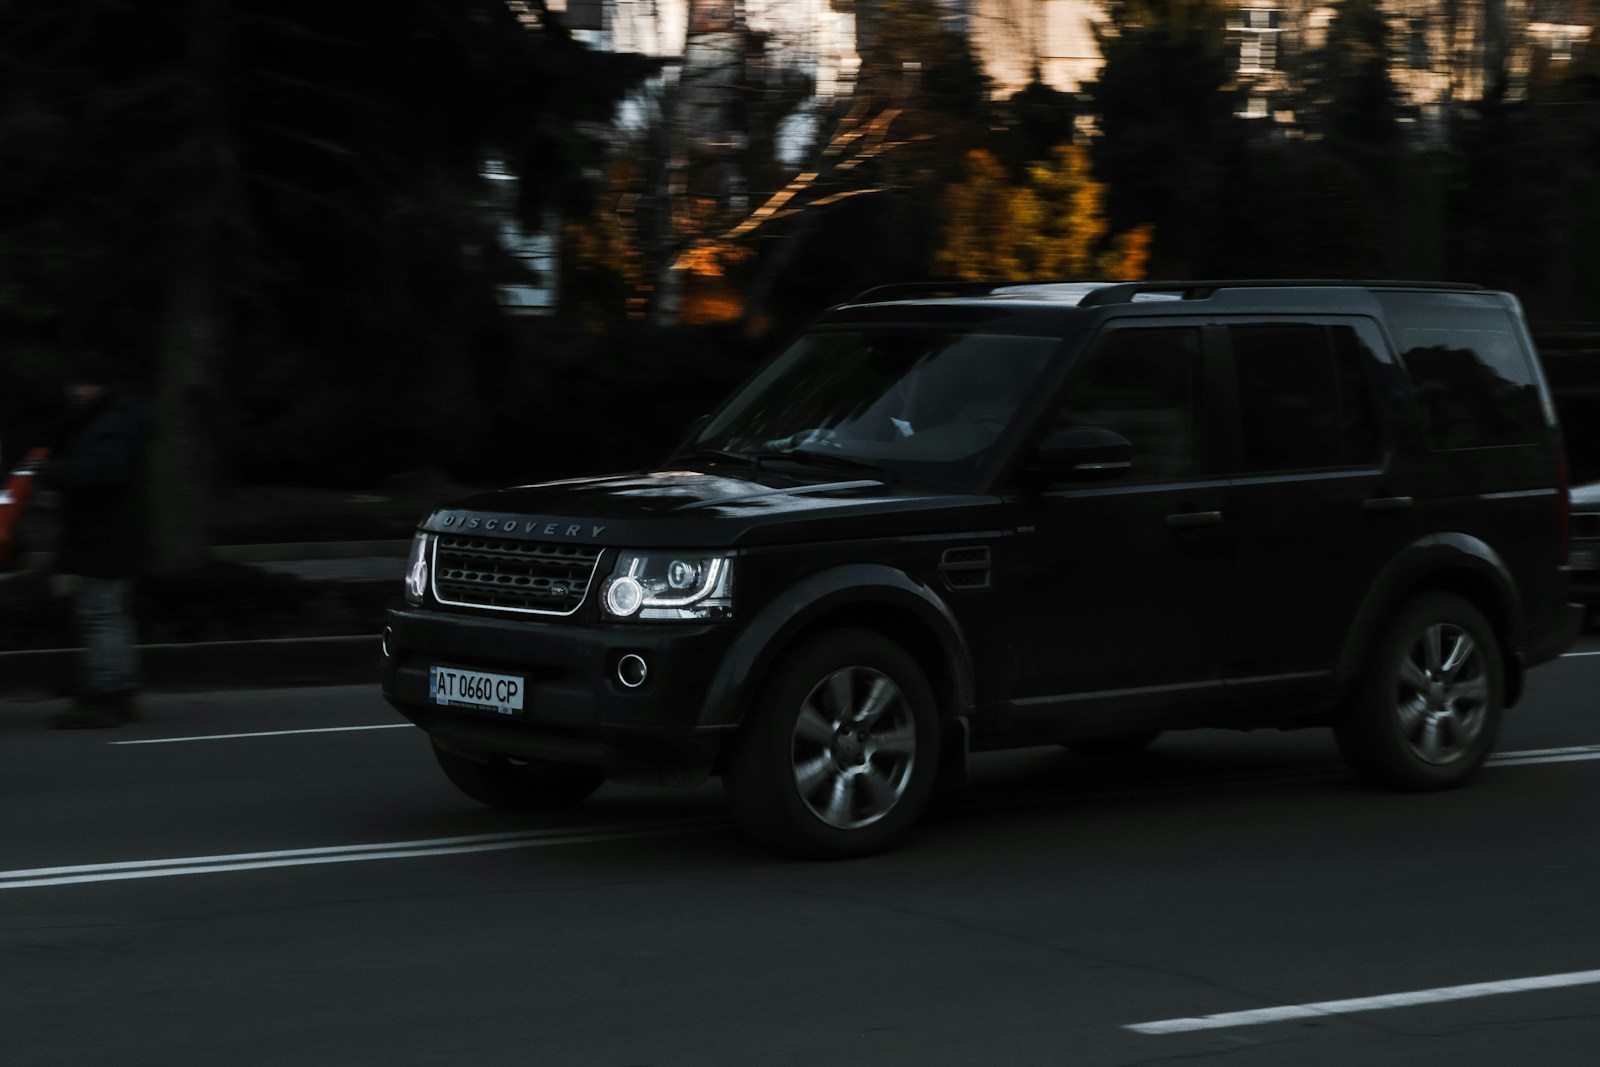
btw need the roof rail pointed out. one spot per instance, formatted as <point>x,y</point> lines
<point>1124,292</point>
<point>912,290</point>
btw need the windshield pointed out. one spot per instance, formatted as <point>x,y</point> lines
<point>901,399</point>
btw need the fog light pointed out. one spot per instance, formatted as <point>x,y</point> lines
<point>632,670</point>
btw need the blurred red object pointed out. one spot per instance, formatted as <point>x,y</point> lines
<point>14,497</point>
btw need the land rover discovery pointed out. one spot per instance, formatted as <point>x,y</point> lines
<point>950,519</point>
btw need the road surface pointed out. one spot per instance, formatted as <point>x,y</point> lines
<point>284,877</point>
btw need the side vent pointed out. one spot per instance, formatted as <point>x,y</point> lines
<point>966,568</point>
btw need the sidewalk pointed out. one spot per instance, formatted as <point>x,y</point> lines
<point>351,659</point>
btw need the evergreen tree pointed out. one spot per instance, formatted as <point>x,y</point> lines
<point>1524,211</point>
<point>1164,104</point>
<point>1037,118</point>
<point>1348,95</point>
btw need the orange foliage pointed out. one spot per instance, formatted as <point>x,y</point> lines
<point>711,293</point>
<point>1052,226</point>
<point>1129,257</point>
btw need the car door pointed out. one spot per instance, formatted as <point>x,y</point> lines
<point>1316,502</point>
<point>1118,589</point>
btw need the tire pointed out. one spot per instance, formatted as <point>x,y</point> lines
<point>1115,744</point>
<point>512,785</point>
<point>1427,713</point>
<point>802,784</point>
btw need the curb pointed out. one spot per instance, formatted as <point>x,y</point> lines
<point>346,660</point>
<point>351,660</point>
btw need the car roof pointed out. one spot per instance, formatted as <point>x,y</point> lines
<point>1085,294</point>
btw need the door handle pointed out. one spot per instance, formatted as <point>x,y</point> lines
<point>1184,520</point>
<point>1387,503</point>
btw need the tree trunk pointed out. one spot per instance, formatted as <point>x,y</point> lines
<point>180,470</point>
<point>192,334</point>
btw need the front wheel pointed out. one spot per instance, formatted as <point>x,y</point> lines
<point>1428,711</point>
<point>515,785</point>
<point>838,755</point>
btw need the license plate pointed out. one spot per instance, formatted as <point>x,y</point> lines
<point>457,688</point>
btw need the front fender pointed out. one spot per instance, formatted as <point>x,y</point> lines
<point>836,591</point>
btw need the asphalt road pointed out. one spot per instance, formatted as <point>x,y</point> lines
<point>211,886</point>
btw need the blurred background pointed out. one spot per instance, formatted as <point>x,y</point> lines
<point>349,246</point>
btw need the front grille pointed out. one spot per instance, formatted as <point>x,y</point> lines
<point>483,572</point>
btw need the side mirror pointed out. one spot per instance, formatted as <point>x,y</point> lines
<point>1082,454</point>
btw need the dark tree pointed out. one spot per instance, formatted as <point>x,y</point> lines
<point>275,214</point>
<point>865,207</point>
<point>1524,208</point>
<point>1348,96</point>
<point>1037,118</point>
<point>1169,135</point>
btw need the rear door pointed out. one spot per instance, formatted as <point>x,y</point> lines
<point>1317,503</point>
<point>1489,426</point>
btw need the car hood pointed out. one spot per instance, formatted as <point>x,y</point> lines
<point>699,508</point>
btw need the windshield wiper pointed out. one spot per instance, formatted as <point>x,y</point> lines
<point>822,459</point>
<point>756,460</point>
<point>740,458</point>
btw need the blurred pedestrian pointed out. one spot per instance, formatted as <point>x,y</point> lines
<point>97,470</point>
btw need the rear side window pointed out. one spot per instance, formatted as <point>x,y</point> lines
<point>1474,381</point>
<point>1304,398</point>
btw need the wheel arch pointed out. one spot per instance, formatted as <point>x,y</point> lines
<point>869,596</point>
<point>1453,563</point>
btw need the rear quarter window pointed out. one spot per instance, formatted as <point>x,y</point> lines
<point>1473,378</point>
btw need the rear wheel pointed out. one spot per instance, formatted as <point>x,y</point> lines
<point>1429,710</point>
<point>518,785</point>
<point>839,753</point>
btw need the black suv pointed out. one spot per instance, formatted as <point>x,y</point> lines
<point>961,518</point>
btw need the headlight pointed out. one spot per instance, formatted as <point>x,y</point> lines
<point>417,567</point>
<point>668,585</point>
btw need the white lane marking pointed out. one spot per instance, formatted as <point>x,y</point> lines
<point>391,850</point>
<point>1528,757</point>
<point>263,733</point>
<point>1572,754</point>
<point>1345,1007</point>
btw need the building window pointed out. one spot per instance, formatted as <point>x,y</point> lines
<point>1561,39</point>
<point>1258,38</point>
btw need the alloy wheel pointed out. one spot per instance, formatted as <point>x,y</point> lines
<point>854,747</point>
<point>1442,694</point>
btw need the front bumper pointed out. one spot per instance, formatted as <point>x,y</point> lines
<point>576,709</point>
